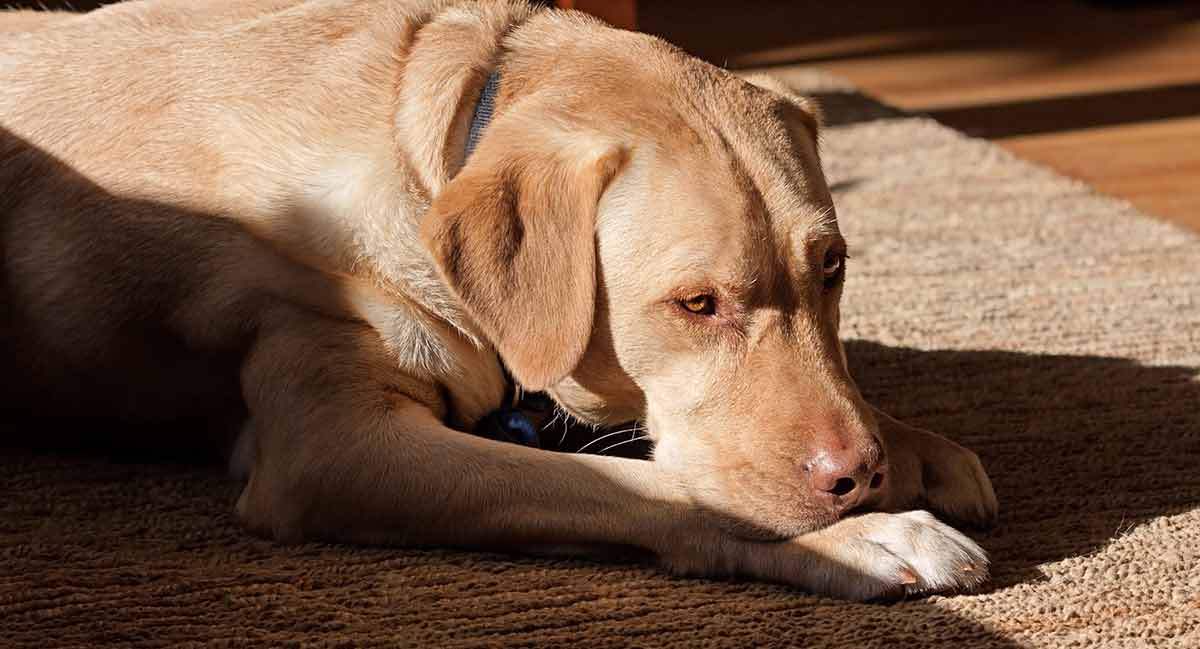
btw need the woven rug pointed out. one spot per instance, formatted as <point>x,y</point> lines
<point>1055,331</point>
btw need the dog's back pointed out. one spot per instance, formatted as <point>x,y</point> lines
<point>129,284</point>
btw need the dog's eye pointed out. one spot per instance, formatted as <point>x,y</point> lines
<point>699,304</point>
<point>834,267</point>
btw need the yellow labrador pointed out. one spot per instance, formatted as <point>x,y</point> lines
<point>263,214</point>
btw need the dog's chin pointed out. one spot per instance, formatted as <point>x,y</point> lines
<point>756,507</point>
<point>786,523</point>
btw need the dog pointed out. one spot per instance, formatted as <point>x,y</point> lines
<point>318,234</point>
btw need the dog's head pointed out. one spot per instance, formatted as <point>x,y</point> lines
<point>659,243</point>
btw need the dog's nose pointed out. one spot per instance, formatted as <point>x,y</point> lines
<point>847,474</point>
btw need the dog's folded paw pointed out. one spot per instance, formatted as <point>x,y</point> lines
<point>960,490</point>
<point>929,471</point>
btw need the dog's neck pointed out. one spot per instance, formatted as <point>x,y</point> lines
<point>485,109</point>
<point>433,129</point>
<point>438,93</point>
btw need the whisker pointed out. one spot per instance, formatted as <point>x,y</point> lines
<point>607,435</point>
<point>554,420</point>
<point>631,439</point>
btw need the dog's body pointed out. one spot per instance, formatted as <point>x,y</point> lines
<point>260,214</point>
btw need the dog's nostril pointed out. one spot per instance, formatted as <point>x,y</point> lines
<point>876,480</point>
<point>842,487</point>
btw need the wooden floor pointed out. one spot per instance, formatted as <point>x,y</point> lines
<point>1103,92</point>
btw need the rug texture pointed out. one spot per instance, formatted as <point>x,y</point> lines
<point>1055,331</point>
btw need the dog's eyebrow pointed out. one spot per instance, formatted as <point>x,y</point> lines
<point>824,224</point>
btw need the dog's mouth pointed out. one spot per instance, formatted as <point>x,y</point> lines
<point>763,518</point>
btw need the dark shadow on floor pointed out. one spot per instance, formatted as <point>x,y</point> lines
<point>842,108</point>
<point>1064,113</point>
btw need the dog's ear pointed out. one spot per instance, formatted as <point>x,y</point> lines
<point>806,109</point>
<point>514,236</point>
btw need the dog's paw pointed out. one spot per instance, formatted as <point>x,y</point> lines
<point>941,557</point>
<point>928,470</point>
<point>876,556</point>
<point>885,556</point>
<point>957,487</point>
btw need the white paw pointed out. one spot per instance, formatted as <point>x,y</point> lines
<point>940,557</point>
<point>877,556</point>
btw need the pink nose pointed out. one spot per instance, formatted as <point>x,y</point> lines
<point>847,474</point>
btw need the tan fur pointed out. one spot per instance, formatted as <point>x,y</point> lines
<point>257,217</point>
<point>20,20</point>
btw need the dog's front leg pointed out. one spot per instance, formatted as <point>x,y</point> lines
<point>346,448</point>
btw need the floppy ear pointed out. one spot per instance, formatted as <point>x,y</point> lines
<point>514,236</point>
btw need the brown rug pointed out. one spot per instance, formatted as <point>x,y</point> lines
<point>1055,331</point>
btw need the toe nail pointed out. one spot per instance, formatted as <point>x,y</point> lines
<point>907,577</point>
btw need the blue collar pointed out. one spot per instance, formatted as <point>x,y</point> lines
<point>484,109</point>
